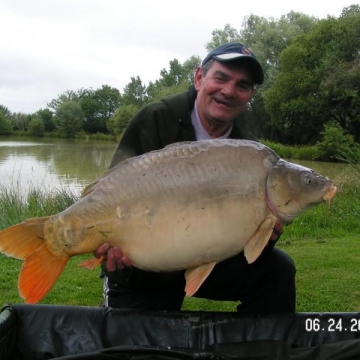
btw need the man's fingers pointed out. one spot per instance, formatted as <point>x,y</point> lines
<point>111,264</point>
<point>117,254</point>
<point>277,231</point>
<point>102,250</point>
<point>114,258</point>
<point>126,261</point>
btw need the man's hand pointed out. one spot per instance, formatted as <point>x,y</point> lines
<point>277,231</point>
<point>114,258</point>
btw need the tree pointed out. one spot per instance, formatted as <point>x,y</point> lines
<point>120,120</point>
<point>68,95</point>
<point>223,36</point>
<point>340,89</point>
<point>5,111</point>
<point>5,124</point>
<point>134,93</point>
<point>36,126</point>
<point>267,38</point>
<point>189,67</point>
<point>172,77</point>
<point>46,115</point>
<point>5,121</point>
<point>98,106</point>
<point>312,87</point>
<point>351,10</point>
<point>109,98</point>
<point>20,121</point>
<point>178,78</point>
<point>162,91</point>
<point>69,118</point>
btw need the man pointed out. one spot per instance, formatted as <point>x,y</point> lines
<point>223,86</point>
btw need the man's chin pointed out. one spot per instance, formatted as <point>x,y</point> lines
<point>222,116</point>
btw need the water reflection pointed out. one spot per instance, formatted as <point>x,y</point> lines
<point>52,163</point>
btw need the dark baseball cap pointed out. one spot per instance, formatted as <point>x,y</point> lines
<point>233,50</point>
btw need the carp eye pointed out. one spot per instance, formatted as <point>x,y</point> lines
<point>308,179</point>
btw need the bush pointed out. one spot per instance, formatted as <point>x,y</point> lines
<point>120,120</point>
<point>335,142</point>
<point>36,127</point>
<point>5,125</point>
<point>69,118</point>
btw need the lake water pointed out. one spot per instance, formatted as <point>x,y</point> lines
<point>72,164</point>
<point>52,163</point>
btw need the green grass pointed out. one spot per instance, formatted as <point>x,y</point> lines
<point>324,244</point>
<point>292,152</point>
<point>328,273</point>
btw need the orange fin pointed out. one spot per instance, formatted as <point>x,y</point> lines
<point>41,268</point>
<point>196,276</point>
<point>91,263</point>
<point>22,240</point>
<point>254,247</point>
<point>39,273</point>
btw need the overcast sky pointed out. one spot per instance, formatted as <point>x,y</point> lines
<point>50,46</point>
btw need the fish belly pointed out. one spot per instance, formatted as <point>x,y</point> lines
<point>168,237</point>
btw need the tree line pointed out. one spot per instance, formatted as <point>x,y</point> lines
<point>312,77</point>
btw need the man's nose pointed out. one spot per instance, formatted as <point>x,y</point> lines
<point>228,89</point>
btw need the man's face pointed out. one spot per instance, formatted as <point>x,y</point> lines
<point>223,92</point>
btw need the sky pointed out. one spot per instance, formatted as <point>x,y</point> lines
<point>51,46</point>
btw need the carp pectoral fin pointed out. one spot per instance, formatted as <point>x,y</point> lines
<point>91,263</point>
<point>39,273</point>
<point>196,276</point>
<point>254,247</point>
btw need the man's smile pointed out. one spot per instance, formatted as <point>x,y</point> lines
<point>221,101</point>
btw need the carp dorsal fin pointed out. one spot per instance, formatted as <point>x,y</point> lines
<point>196,276</point>
<point>89,188</point>
<point>254,247</point>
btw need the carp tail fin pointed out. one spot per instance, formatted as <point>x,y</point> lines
<point>39,273</point>
<point>21,240</point>
<point>41,267</point>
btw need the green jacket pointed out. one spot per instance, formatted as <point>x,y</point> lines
<point>163,123</point>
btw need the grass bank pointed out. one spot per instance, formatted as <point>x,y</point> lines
<point>324,243</point>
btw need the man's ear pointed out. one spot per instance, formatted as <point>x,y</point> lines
<point>198,78</point>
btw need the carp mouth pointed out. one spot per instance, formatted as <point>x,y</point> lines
<point>330,193</point>
<point>287,218</point>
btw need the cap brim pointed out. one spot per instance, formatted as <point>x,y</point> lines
<point>256,69</point>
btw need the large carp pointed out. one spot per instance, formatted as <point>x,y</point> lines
<point>187,206</point>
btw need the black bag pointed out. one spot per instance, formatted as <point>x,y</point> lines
<point>68,332</point>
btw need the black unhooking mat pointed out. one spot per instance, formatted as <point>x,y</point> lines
<point>64,332</point>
